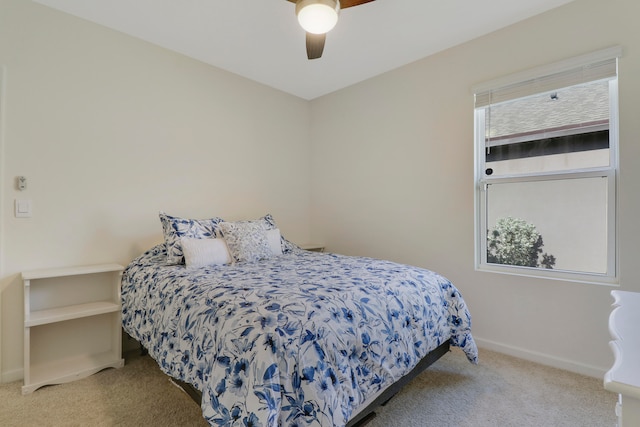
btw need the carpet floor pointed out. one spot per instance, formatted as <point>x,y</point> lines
<point>500,391</point>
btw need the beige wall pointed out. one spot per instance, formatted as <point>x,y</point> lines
<point>109,130</point>
<point>393,178</point>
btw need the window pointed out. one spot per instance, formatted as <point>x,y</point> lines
<point>546,171</point>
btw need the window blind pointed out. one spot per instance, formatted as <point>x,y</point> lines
<point>598,65</point>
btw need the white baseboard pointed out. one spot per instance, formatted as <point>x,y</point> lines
<point>521,353</point>
<point>542,358</point>
<point>11,376</point>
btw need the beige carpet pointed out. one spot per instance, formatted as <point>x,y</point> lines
<point>500,391</point>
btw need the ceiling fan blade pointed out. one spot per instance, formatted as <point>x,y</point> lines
<point>315,42</point>
<point>315,45</point>
<point>346,3</point>
<point>350,3</point>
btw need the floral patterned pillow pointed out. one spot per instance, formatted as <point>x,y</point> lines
<point>246,240</point>
<point>174,228</point>
<point>270,224</point>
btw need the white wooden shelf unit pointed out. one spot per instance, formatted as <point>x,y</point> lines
<point>72,323</point>
<point>624,376</point>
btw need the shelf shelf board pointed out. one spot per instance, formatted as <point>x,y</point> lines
<point>312,247</point>
<point>70,369</point>
<point>70,271</point>
<point>60,314</point>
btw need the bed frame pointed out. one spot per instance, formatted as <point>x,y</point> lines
<point>368,413</point>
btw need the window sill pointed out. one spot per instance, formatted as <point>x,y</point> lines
<point>589,279</point>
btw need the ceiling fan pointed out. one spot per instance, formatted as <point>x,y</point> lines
<point>318,17</point>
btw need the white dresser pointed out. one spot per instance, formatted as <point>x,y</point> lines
<point>624,376</point>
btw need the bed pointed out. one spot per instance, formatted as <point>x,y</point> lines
<point>284,336</point>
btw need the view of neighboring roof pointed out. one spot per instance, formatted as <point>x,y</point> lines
<point>566,111</point>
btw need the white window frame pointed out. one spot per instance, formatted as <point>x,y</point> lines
<point>611,277</point>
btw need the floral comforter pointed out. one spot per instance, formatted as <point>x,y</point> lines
<point>302,339</point>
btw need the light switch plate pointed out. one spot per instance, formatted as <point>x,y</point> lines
<point>23,208</point>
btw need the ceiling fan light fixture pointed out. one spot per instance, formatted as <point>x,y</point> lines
<point>317,16</point>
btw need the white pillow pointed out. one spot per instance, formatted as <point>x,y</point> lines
<point>273,236</point>
<point>202,252</point>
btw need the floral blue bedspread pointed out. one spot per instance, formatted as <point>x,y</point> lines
<point>302,339</point>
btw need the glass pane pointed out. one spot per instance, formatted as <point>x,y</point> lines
<point>559,224</point>
<point>567,129</point>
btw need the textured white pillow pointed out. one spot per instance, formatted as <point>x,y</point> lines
<point>202,252</point>
<point>273,236</point>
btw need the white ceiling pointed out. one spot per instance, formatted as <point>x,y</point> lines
<point>261,39</point>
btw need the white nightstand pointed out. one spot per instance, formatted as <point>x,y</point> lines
<point>72,323</point>
<point>624,377</point>
<point>313,247</point>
